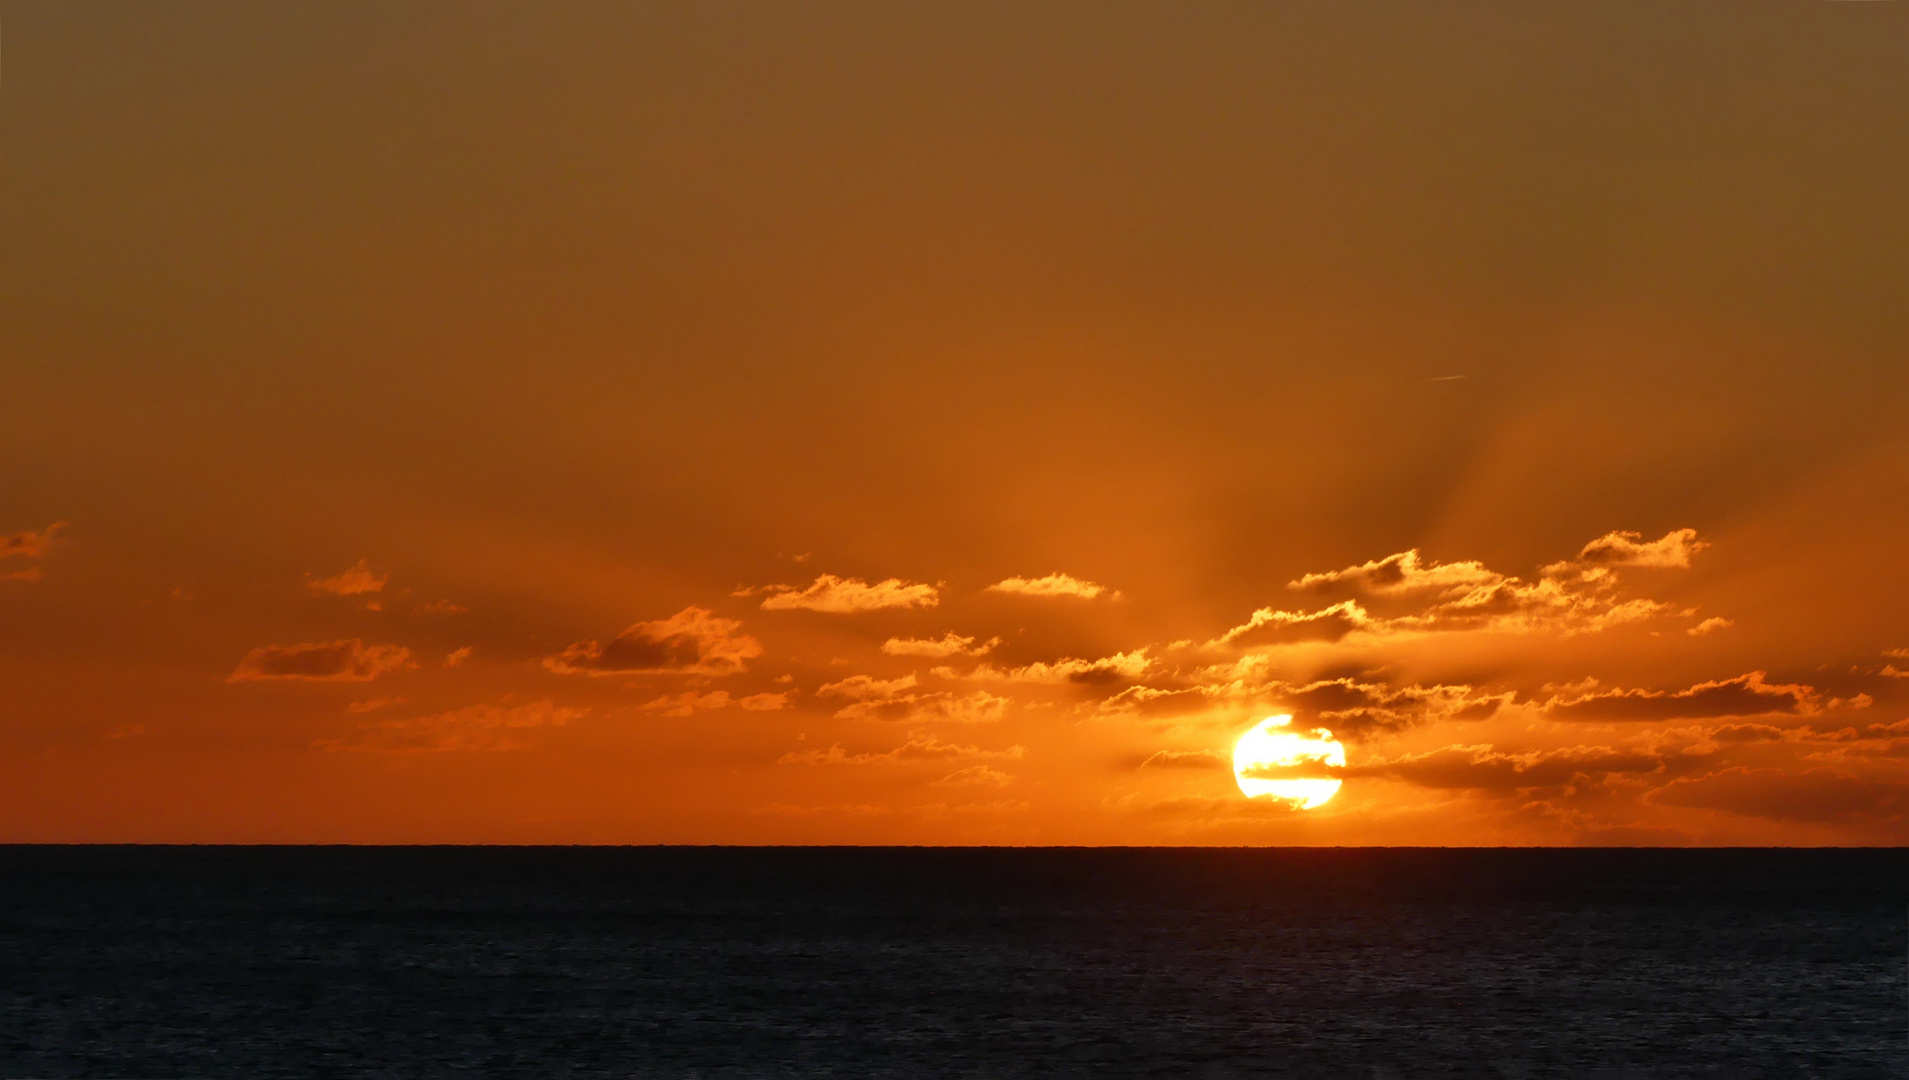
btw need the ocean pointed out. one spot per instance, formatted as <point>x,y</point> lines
<point>952,962</point>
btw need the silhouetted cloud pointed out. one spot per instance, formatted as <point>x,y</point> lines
<point>694,641</point>
<point>350,660</point>
<point>1745,695</point>
<point>1055,584</point>
<point>847,595</point>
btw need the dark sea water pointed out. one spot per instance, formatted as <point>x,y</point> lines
<point>731,962</point>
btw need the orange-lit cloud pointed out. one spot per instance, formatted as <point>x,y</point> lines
<point>1571,597</point>
<point>898,699</point>
<point>1745,695</point>
<point>476,728</point>
<point>1055,584</point>
<point>688,702</point>
<point>1107,669</point>
<point>350,660</point>
<point>1670,551</point>
<point>356,580</point>
<point>1186,759</point>
<point>917,748</point>
<point>31,545</point>
<point>949,644</point>
<point>765,702</point>
<point>694,641</point>
<point>975,776</point>
<point>848,595</point>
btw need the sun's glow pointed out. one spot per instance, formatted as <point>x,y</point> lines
<point>1266,749</point>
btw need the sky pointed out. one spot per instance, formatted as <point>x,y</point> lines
<point>858,423</point>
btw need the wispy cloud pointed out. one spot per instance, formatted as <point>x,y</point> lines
<point>917,748</point>
<point>848,595</point>
<point>353,581</point>
<point>30,544</point>
<point>949,644</point>
<point>1406,594</point>
<point>694,641</point>
<point>1746,695</point>
<point>476,728</point>
<point>1108,669</point>
<point>1055,584</point>
<point>688,702</point>
<point>350,660</point>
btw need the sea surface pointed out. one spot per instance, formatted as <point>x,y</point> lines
<point>924,962</point>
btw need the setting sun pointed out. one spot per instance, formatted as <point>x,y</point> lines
<point>1272,763</point>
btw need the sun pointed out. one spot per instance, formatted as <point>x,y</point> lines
<point>1264,752</point>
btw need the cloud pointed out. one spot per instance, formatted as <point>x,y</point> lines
<point>457,656</point>
<point>1403,573</point>
<point>1108,669</point>
<point>896,699</point>
<point>949,644</point>
<point>478,727</point>
<point>29,544</point>
<point>1187,759</point>
<point>1670,551</point>
<point>868,688</point>
<point>336,661</point>
<point>1484,767</point>
<point>846,595</point>
<point>373,704</point>
<point>1745,695</point>
<point>688,702</point>
<point>1268,626</point>
<point>917,748</point>
<point>765,702</point>
<point>694,641</point>
<point>975,776</point>
<point>1710,625</point>
<point>1404,594</point>
<point>1055,584</point>
<point>1817,796</point>
<point>355,581</point>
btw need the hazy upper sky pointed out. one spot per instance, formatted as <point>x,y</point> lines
<point>917,423</point>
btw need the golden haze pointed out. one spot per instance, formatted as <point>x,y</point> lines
<point>953,424</point>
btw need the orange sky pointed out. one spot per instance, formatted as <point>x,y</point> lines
<point>864,423</point>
